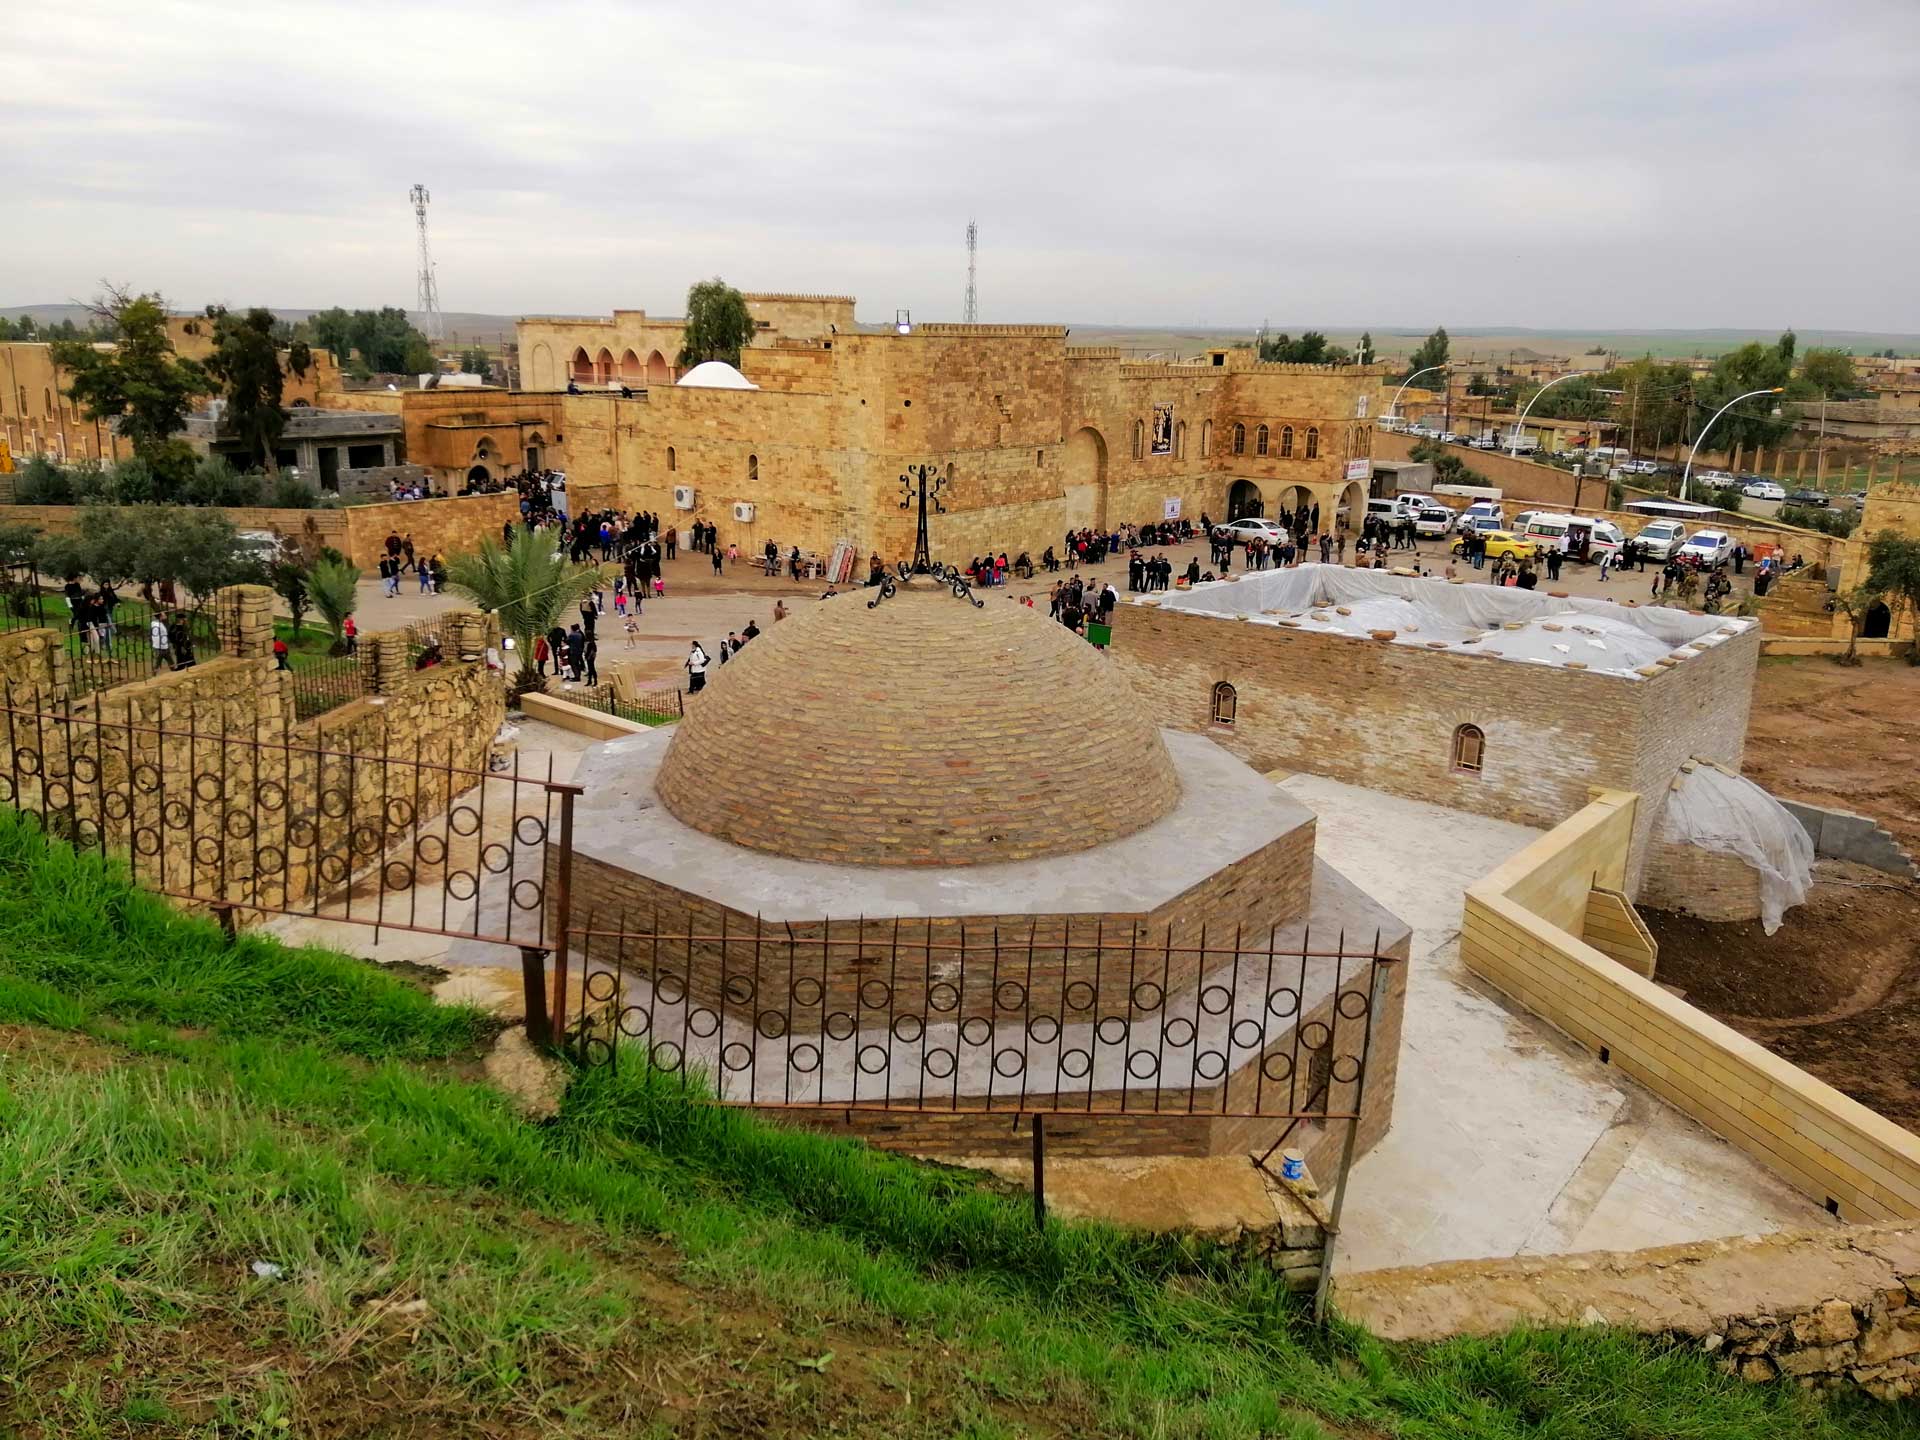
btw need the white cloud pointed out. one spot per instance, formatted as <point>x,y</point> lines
<point>1628,163</point>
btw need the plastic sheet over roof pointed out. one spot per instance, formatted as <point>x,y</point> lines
<point>1528,627</point>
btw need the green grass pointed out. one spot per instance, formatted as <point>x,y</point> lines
<point>175,1109</point>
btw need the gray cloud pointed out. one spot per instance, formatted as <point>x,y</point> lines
<point>1621,164</point>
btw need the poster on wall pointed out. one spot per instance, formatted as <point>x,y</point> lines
<point>1360,406</point>
<point>1163,428</point>
<point>1360,469</point>
<point>1171,509</point>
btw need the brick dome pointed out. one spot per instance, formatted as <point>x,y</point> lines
<point>919,732</point>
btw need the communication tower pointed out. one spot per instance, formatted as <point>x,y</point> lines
<point>971,311</point>
<point>428,300</point>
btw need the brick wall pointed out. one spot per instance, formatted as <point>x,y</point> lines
<point>1706,883</point>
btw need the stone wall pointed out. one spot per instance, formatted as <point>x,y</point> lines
<point>1707,884</point>
<point>1825,1308</point>
<point>1384,715</point>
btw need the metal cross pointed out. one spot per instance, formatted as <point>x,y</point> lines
<point>922,557</point>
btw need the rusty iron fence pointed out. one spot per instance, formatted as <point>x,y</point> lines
<point>234,822</point>
<point>324,682</point>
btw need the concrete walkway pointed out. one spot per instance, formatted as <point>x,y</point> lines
<point>1507,1138</point>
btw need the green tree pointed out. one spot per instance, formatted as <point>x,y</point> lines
<point>382,339</point>
<point>530,585</point>
<point>418,358</point>
<point>1655,400</point>
<point>140,386</point>
<point>246,362</point>
<point>1432,351</point>
<point>334,586</point>
<point>1448,468</point>
<point>1581,399</point>
<point>1854,604</point>
<point>1750,424</point>
<point>1310,349</point>
<point>1365,353</point>
<point>1827,375</point>
<point>1893,569</point>
<point>299,355</point>
<point>287,574</point>
<point>719,326</point>
<point>475,361</point>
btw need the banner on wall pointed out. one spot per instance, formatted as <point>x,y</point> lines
<point>1360,469</point>
<point>1163,428</point>
<point>1170,510</point>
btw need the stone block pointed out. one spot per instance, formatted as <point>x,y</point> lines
<point>1831,1324</point>
<point>1815,1360</point>
<point>1891,1339</point>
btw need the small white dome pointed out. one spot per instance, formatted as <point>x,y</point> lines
<point>716,375</point>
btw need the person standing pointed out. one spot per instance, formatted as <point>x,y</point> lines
<point>350,632</point>
<point>180,639</point>
<point>589,655</point>
<point>159,641</point>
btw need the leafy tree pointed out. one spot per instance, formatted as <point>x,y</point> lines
<point>719,326</point>
<point>41,482</point>
<point>418,358</point>
<point>246,362</point>
<point>1654,399</point>
<point>216,482</point>
<point>1855,604</point>
<point>382,339</point>
<point>530,585</point>
<point>1893,568</point>
<point>1580,399</point>
<point>474,360</point>
<point>334,586</point>
<point>140,386</point>
<point>1827,374</point>
<point>1432,351</point>
<point>1310,349</point>
<point>1751,367</point>
<point>299,354</point>
<point>1448,468</point>
<point>1786,345</point>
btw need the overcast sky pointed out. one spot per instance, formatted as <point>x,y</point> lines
<point>1554,163</point>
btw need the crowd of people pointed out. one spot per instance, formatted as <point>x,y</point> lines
<point>399,556</point>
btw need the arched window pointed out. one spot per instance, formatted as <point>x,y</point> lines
<point>1225,701</point>
<point>673,460</point>
<point>950,472</point>
<point>1260,441</point>
<point>1206,438</point>
<point>753,467</point>
<point>1313,442</point>
<point>1286,442</point>
<point>1469,747</point>
<point>1139,439</point>
<point>1239,439</point>
<point>1180,441</point>
<point>47,395</point>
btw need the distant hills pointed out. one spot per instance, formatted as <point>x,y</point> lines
<point>1489,342</point>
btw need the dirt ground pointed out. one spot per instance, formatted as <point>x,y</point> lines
<point>1836,990</point>
<point>1841,737</point>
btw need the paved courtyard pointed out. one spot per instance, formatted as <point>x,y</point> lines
<point>1507,1138</point>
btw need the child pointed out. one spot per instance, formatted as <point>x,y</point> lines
<point>620,597</point>
<point>659,586</point>
<point>632,628</point>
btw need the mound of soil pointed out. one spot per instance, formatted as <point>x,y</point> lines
<point>1836,990</point>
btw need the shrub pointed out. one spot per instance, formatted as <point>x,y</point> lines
<point>43,483</point>
<point>290,492</point>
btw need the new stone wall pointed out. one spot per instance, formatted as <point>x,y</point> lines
<point>1708,884</point>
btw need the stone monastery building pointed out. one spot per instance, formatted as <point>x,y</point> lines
<point>1035,435</point>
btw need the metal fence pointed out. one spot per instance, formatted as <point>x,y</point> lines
<point>651,707</point>
<point>324,682</point>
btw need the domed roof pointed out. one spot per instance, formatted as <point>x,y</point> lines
<point>716,375</point>
<point>918,732</point>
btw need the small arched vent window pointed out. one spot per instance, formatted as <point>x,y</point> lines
<point>1225,703</point>
<point>1139,439</point>
<point>1469,749</point>
<point>673,460</point>
<point>753,467</point>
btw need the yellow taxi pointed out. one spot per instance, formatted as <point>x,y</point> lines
<point>1501,545</point>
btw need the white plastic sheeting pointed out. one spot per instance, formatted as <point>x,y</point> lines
<point>1512,624</point>
<point>1731,815</point>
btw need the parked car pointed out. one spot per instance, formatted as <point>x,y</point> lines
<point>1433,520</point>
<point>1719,479</point>
<point>1662,538</point>
<point>1251,528</point>
<point>1413,502</point>
<point>1815,498</point>
<point>1639,467</point>
<point>1763,490</point>
<point>1501,544</point>
<point>1448,437</point>
<point>1485,442</point>
<point>1481,515</point>
<point>1707,547</point>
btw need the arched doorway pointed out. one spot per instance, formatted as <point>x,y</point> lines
<point>541,375</point>
<point>1292,500</point>
<point>630,368</point>
<point>603,366</point>
<point>1084,490</point>
<point>1353,505</point>
<point>1244,500</point>
<point>478,475</point>
<point>658,372</point>
<point>580,368</point>
<point>1879,621</point>
<point>536,446</point>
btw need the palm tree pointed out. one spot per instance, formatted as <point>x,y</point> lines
<point>333,586</point>
<point>529,585</point>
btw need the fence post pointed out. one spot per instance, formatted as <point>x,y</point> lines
<point>243,620</point>
<point>533,985</point>
<point>562,916</point>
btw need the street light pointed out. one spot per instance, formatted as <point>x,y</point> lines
<point>1687,476</point>
<point>1393,410</point>
<point>1513,440</point>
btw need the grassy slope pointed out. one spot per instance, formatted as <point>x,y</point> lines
<point>173,1110</point>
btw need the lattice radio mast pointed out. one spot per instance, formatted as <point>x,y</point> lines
<point>971,309</point>
<point>428,300</point>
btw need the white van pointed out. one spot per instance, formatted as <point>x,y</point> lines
<point>1481,510</point>
<point>1601,537</point>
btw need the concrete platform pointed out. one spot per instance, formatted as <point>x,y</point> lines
<point>1507,1138</point>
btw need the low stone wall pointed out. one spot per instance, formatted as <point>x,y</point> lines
<point>1707,884</point>
<point>1826,1308</point>
<point>1514,934</point>
<point>1858,839</point>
